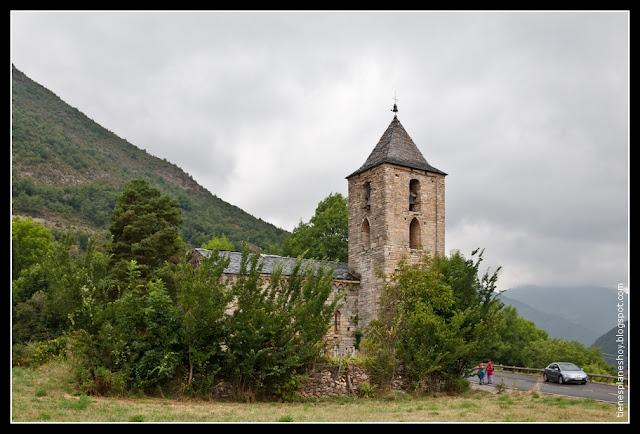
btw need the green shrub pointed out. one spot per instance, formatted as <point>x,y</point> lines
<point>136,418</point>
<point>278,328</point>
<point>595,368</point>
<point>19,354</point>
<point>358,338</point>
<point>41,392</point>
<point>366,390</point>
<point>286,418</point>
<point>35,354</point>
<point>353,360</point>
<point>102,381</point>
<point>456,386</point>
<point>82,359</point>
<point>288,390</point>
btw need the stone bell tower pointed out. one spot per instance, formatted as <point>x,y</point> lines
<point>396,210</point>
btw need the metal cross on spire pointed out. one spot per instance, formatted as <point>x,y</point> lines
<point>395,105</point>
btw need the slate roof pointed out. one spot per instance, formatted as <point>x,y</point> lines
<point>269,262</point>
<point>397,147</point>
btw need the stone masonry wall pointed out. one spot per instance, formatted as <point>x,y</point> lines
<point>331,380</point>
<point>325,380</point>
<point>389,219</point>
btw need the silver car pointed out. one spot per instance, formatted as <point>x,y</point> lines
<point>564,372</point>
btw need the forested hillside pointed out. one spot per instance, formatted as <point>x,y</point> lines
<point>67,171</point>
<point>570,312</point>
<point>608,344</point>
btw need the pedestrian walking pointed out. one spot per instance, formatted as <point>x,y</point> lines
<point>481,372</point>
<point>490,372</point>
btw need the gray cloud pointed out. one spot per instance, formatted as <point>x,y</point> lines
<point>527,112</point>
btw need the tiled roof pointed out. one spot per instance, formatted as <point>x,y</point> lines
<point>269,262</point>
<point>397,147</point>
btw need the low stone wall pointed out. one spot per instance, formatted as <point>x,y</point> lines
<point>330,380</point>
<point>326,380</point>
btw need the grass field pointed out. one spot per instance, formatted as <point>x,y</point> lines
<point>44,394</point>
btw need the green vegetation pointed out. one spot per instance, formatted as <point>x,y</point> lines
<point>325,236</point>
<point>135,316</point>
<point>608,345</point>
<point>277,330</point>
<point>202,300</point>
<point>521,343</point>
<point>144,229</point>
<point>30,243</point>
<point>219,243</point>
<point>439,318</point>
<point>146,340</point>
<point>472,406</point>
<point>68,170</point>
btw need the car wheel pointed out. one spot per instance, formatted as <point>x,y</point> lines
<point>560,379</point>
<point>545,378</point>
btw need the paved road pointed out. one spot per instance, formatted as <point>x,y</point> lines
<point>599,391</point>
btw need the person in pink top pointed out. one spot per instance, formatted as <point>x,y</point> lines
<point>490,372</point>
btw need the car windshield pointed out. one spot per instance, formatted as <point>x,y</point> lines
<point>568,367</point>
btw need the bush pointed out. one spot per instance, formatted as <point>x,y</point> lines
<point>358,338</point>
<point>277,328</point>
<point>82,358</point>
<point>501,387</point>
<point>47,350</point>
<point>34,354</point>
<point>102,381</point>
<point>456,385</point>
<point>288,390</point>
<point>366,390</point>
<point>596,368</point>
<point>436,318</point>
<point>19,355</point>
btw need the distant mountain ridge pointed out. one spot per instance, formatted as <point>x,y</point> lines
<point>68,170</point>
<point>608,343</point>
<point>581,313</point>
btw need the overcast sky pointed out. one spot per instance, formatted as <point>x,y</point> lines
<point>528,113</point>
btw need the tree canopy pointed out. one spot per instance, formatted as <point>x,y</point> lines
<point>219,243</point>
<point>325,235</point>
<point>437,319</point>
<point>144,228</point>
<point>30,243</point>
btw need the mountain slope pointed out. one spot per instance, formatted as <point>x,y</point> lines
<point>68,170</point>
<point>560,309</point>
<point>608,343</point>
<point>556,326</point>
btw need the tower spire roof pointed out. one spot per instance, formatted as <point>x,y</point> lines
<point>396,147</point>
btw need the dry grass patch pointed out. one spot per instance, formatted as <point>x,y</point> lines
<point>60,404</point>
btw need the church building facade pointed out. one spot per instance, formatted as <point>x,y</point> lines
<point>396,210</point>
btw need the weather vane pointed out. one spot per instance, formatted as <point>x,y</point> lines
<point>395,104</point>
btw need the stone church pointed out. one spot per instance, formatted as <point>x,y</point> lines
<point>396,210</point>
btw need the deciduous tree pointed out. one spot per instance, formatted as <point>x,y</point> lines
<point>325,235</point>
